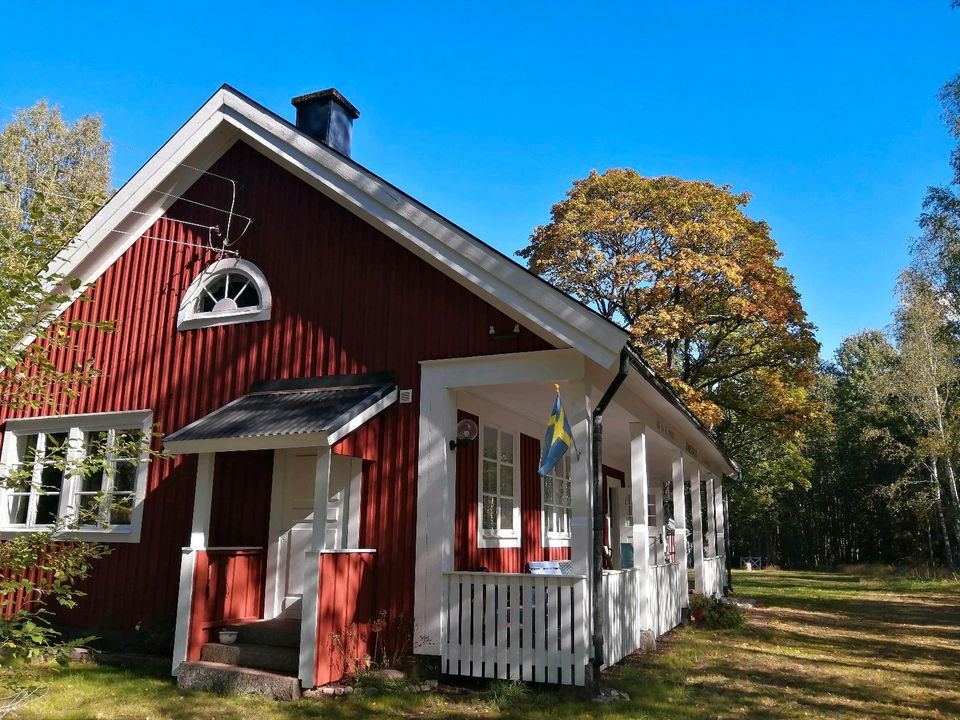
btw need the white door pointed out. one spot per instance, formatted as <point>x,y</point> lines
<point>296,517</point>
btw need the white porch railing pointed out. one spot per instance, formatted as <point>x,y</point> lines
<point>513,626</point>
<point>669,583</point>
<point>622,617</point>
<point>713,576</point>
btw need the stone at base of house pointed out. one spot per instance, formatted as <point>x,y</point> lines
<point>611,695</point>
<point>424,687</point>
<point>648,641</point>
<point>233,680</point>
<point>328,691</point>
<point>388,674</point>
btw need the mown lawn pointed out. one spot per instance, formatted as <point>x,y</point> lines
<point>829,645</point>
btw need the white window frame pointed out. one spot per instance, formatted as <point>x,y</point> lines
<point>189,319</point>
<point>76,427</point>
<point>487,538</point>
<point>555,538</point>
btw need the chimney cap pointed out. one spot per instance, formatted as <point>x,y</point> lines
<point>328,94</point>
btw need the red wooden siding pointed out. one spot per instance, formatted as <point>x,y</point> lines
<point>467,556</point>
<point>345,614</point>
<point>13,602</point>
<point>241,492</point>
<point>227,588</point>
<point>346,299</point>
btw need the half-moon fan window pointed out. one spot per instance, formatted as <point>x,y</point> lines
<point>228,292</point>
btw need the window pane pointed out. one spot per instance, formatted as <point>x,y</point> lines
<point>27,448</point>
<point>120,512</point>
<point>566,521</point>
<point>489,476</point>
<point>506,514</point>
<point>489,512</point>
<point>56,447</point>
<point>47,508</point>
<point>506,481</point>
<point>506,447</point>
<point>248,296</point>
<point>92,482</point>
<point>17,509</point>
<point>550,515</point>
<point>125,477</point>
<point>213,291</point>
<point>51,479</point>
<point>489,443</point>
<point>88,509</point>
<point>548,490</point>
<point>565,493</point>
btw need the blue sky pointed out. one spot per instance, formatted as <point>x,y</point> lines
<point>825,111</point>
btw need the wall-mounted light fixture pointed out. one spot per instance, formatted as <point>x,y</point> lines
<point>466,433</point>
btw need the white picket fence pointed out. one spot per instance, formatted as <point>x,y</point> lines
<point>623,616</point>
<point>513,626</point>
<point>667,589</point>
<point>713,576</point>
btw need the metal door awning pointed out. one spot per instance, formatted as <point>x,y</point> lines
<point>305,412</point>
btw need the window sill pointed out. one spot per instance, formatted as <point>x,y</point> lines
<point>558,541</point>
<point>195,322</point>
<point>498,541</point>
<point>106,535</point>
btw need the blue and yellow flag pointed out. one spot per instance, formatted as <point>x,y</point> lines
<point>559,437</point>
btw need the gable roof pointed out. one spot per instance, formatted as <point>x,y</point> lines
<point>229,116</point>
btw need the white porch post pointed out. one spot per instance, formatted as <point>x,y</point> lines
<point>696,512</point>
<point>680,520</point>
<point>710,544</point>
<point>721,535</point>
<point>641,534</point>
<point>199,539</point>
<point>311,571</point>
<point>581,499</point>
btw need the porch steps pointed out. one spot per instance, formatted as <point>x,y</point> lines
<point>273,658</point>
<point>279,633</point>
<point>232,680</point>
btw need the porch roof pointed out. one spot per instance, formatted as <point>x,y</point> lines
<point>288,413</point>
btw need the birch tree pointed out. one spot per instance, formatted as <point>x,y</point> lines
<point>927,383</point>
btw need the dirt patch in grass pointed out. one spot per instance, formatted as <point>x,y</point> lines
<point>819,645</point>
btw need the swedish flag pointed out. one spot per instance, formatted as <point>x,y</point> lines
<point>559,437</point>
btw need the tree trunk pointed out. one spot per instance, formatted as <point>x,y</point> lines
<point>955,500</point>
<point>947,545</point>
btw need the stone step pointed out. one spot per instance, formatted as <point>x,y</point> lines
<point>232,680</point>
<point>281,633</point>
<point>262,657</point>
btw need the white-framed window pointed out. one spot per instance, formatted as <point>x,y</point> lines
<point>40,458</point>
<point>226,292</point>
<point>499,492</point>
<point>557,504</point>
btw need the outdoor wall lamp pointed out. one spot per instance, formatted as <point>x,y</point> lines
<point>466,433</point>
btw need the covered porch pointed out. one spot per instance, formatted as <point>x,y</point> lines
<point>266,460</point>
<point>478,605</point>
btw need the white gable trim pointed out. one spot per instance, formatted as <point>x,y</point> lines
<point>228,116</point>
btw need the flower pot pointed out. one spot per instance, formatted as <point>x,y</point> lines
<point>698,614</point>
<point>227,637</point>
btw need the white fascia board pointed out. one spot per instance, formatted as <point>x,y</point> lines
<point>645,402</point>
<point>500,281</point>
<point>363,417</point>
<point>240,444</point>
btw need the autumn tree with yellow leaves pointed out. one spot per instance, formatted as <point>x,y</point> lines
<point>696,282</point>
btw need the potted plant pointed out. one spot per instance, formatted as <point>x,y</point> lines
<point>699,604</point>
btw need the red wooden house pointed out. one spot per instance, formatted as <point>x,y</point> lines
<point>307,337</point>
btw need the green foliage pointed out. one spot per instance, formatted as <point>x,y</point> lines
<point>53,177</point>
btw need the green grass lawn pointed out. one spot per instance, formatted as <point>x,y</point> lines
<point>825,645</point>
